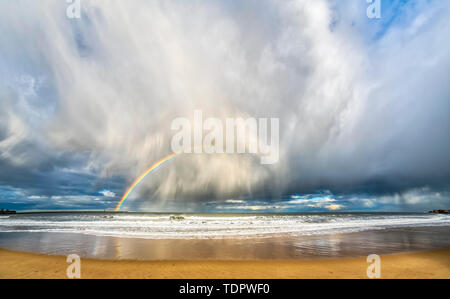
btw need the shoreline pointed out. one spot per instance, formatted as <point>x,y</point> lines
<point>314,247</point>
<point>424,264</point>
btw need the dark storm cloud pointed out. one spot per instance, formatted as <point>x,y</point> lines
<point>86,104</point>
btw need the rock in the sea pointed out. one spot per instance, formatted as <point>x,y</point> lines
<point>176,218</point>
<point>440,212</point>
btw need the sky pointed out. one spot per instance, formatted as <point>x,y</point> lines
<point>86,104</point>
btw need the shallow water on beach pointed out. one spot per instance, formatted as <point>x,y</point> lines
<point>232,236</point>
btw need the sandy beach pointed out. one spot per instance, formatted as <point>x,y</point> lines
<point>430,264</point>
<point>225,246</point>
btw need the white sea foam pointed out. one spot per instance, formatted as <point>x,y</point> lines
<point>152,226</point>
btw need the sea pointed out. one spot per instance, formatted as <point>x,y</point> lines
<point>158,236</point>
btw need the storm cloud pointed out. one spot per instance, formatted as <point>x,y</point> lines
<point>86,104</point>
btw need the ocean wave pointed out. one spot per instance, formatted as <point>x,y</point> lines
<point>213,227</point>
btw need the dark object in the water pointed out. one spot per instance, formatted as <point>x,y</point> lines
<point>6,212</point>
<point>440,212</point>
<point>176,218</point>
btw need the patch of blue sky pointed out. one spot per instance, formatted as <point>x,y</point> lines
<point>398,14</point>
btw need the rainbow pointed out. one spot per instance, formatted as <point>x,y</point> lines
<point>142,176</point>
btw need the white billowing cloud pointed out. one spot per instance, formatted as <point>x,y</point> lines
<point>326,202</point>
<point>253,208</point>
<point>311,200</point>
<point>350,110</point>
<point>234,201</point>
<point>418,197</point>
<point>107,193</point>
<point>334,207</point>
<point>364,202</point>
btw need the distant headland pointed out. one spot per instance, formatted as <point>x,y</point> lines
<point>6,212</point>
<point>440,212</point>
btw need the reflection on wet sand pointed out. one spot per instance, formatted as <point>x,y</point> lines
<point>301,247</point>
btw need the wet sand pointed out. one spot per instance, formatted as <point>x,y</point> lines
<point>430,264</point>
<point>318,247</point>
